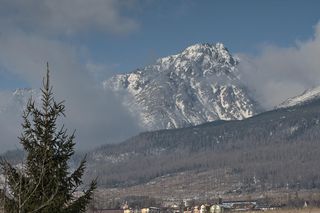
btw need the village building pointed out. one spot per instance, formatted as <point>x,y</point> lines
<point>109,210</point>
<point>216,209</point>
<point>187,210</point>
<point>150,210</point>
<point>239,205</point>
<point>196,209</point>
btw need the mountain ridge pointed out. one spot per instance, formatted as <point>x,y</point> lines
<point>306,96</point>
<point>17,99</point>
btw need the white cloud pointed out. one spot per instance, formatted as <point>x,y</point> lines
<point>67,17</point>
<point>96,114</point>
<point>281,72</point>
<point>30,36</point>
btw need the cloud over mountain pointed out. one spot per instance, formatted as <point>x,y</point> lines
<point>96,114</point>
<point>36,32</point>
<point>281,72</point>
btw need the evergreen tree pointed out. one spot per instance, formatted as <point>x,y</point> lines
<point>45,183</point>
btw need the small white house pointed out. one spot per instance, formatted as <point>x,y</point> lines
<point>216,209</point>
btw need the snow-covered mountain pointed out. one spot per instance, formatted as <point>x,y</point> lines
<point>198,85</point>
<point>17,100</point>
<point>306,96</point>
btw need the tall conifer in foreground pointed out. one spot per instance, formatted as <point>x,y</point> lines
<point>44,183</point>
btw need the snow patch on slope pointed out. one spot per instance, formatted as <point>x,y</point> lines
<point>306,96</point>
<point>17,100</point>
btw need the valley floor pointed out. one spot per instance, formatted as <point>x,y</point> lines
<point>202,186</point>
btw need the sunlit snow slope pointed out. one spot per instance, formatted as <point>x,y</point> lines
<point>306,96</point>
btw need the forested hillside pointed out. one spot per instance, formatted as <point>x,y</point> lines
<point>275,149</point>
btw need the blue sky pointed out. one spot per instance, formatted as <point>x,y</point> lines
<point>160,28</point>
<point>167,27</point>
<point>86,42</point>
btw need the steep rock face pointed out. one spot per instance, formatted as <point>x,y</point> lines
<point>198,85</point>
<point>307,96</point>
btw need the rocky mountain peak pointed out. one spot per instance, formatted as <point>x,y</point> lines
<point>217,52</point>
<point>200,59</point>
<point>198,85</point>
